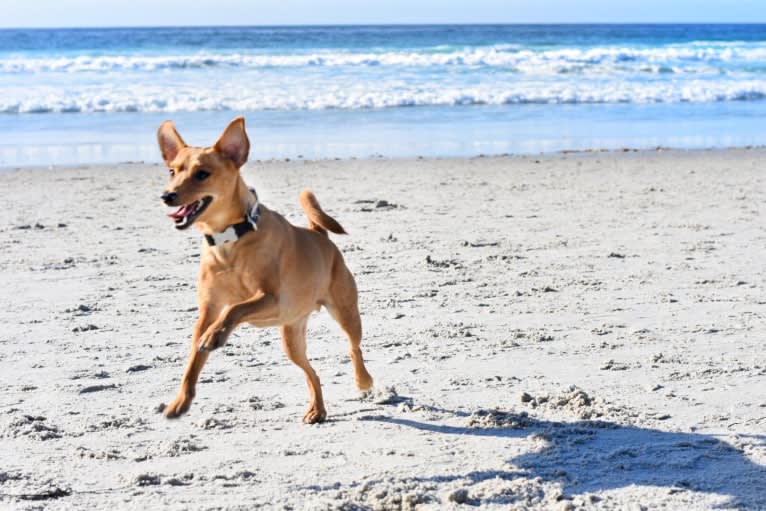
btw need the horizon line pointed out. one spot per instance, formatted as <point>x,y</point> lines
<point>402,24</point>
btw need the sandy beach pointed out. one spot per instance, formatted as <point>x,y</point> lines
<point>570,331</point>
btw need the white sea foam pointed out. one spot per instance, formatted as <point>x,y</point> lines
<point>701,71</point>
<point>155,99</point>
<point>675,58</point>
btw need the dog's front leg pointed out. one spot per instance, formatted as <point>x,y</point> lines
<point>197,359</point>
<point>262,307</point>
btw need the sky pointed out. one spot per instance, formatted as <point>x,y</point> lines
<point>107,13</point>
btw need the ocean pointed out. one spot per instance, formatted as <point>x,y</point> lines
<point>70,96</point>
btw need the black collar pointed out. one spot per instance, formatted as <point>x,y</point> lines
<point>235,231</point>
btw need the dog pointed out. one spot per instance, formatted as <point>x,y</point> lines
<point>255,266</point>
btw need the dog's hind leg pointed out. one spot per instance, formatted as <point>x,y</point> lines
<point>197,359</point>
<point>294,343</point>
<point>343,307</point>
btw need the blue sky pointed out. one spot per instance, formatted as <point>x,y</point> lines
<point>69,13</point>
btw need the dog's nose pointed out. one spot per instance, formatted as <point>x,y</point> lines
<point>169,197</point>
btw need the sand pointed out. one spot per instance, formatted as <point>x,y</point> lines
<point>572,331</point>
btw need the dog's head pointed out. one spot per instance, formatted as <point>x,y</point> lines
<point>203,181</point>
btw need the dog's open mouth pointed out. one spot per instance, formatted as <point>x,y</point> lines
<point>185,215</point>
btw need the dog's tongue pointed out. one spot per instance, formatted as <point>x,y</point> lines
<point>182,211</point>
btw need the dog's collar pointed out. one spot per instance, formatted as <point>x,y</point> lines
<point>236,231</point>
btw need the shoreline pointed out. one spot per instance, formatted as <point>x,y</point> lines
<point>395,133</point>
<point>405,159</point>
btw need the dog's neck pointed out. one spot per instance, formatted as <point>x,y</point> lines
<point>232,224</point>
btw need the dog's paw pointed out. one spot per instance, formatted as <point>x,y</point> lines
<point>314,415</point>
<point>213,338</point>
<point>179,406</point>
<point>363,381</point>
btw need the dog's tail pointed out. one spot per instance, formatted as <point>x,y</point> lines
<point>318,219</point>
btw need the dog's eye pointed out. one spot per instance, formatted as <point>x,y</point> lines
<point>201,175</point>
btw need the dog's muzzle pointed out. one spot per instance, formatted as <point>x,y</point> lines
<point>185,215</point>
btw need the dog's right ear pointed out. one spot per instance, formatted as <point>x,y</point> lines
<point>233,142</point>
<point>170,141</point>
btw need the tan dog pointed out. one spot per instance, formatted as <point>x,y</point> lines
<point>256,267</point>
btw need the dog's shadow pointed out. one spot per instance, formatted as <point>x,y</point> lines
<point>592,456</point>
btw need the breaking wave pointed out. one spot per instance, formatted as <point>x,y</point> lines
<point>687,58</point>
<point>156,99</point>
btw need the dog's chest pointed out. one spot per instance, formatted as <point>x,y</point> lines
<point>235,276</point>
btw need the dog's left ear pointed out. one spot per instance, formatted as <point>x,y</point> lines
<point>233,142</point>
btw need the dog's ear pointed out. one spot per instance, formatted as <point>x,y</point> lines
<point>170,141</point>
<point>233,142</point>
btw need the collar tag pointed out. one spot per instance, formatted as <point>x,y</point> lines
<point>253,215</point>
